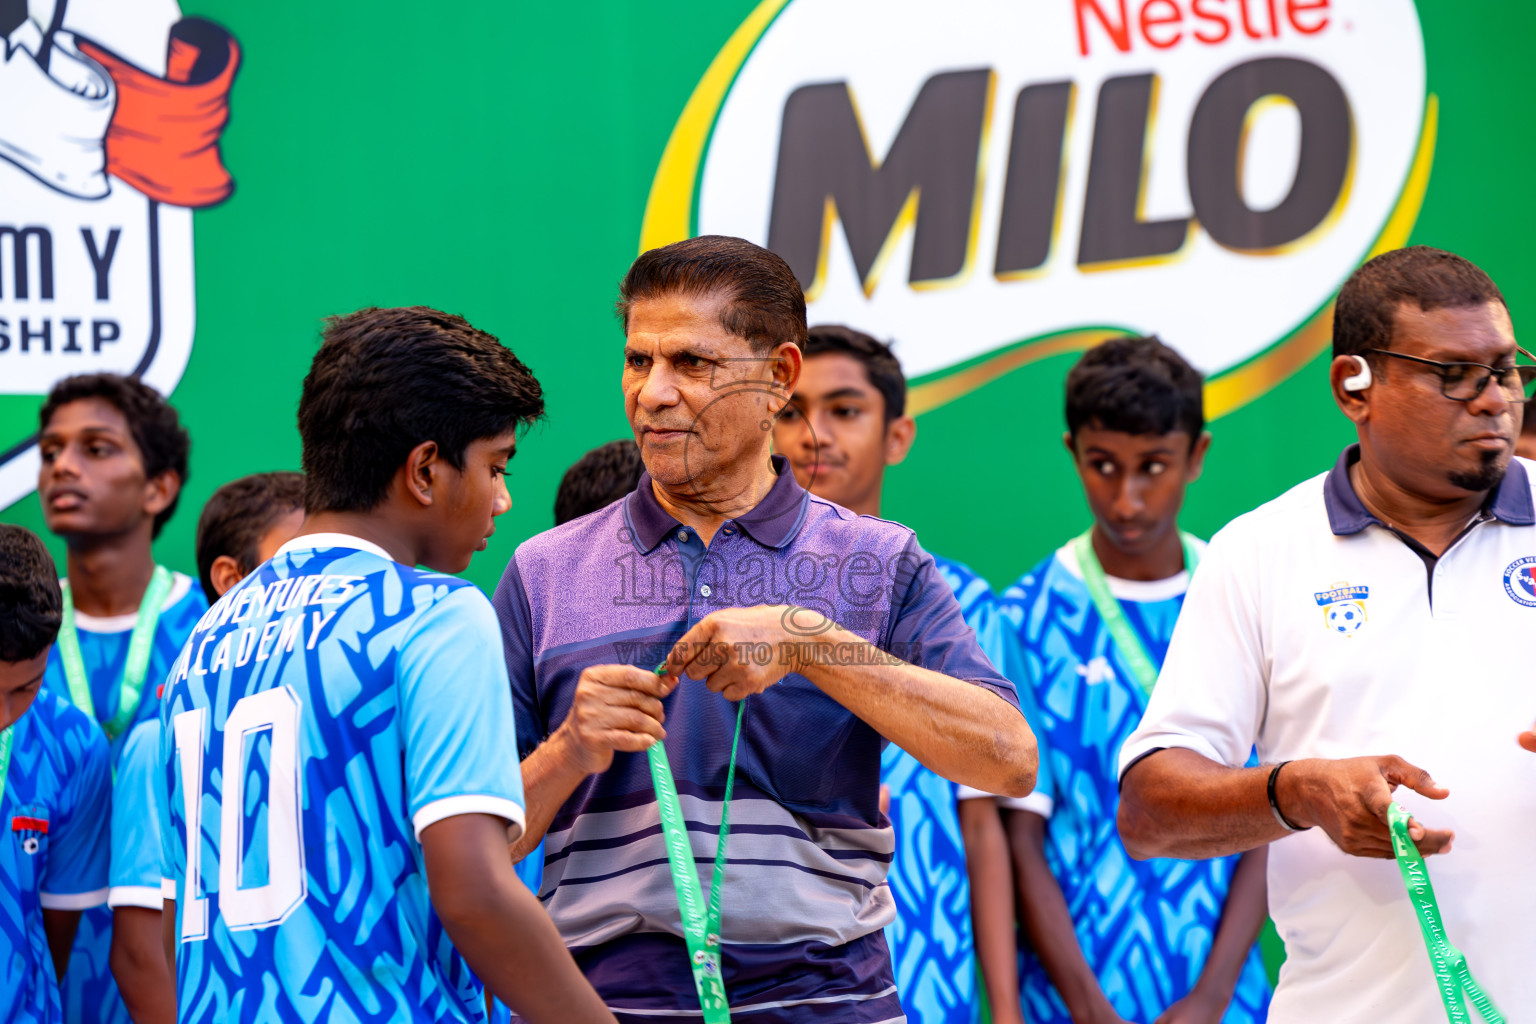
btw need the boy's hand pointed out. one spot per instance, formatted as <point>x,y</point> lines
<point>1195,1008</point>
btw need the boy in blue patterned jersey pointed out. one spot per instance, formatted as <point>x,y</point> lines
<point>55,788</point>
<point>845,424</point>
<point>138,813</point>
<point>114,460</point>
<point>1111,939</point>
<point>337,734</point>
<point>241,526</point>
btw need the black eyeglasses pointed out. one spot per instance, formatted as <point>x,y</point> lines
<point>1462,382</point>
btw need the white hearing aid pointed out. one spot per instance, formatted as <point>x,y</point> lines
<point>1361,380</point>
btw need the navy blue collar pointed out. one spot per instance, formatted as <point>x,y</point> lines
<point>1510,502</point>
<point>773,522</point>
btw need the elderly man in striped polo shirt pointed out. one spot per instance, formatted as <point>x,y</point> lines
<point>837,626</point>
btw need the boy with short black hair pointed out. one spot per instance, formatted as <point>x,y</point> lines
<point>243,524</point>
<point>846,423</point>
<point>1112,939</point>
<point>598,479</point>
<point>114,461</point>
<point>55,789</point>
<point>355,713</point>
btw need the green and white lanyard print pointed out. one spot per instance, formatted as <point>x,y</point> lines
<point>1453,978</point>
<point>701,924</point>
<point>140,645</point>
<point>1132,651</point>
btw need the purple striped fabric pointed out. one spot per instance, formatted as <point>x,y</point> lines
<point>809,848</point>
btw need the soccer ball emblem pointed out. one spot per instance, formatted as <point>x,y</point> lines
<point>1346,617</point>
<point>30,844</point>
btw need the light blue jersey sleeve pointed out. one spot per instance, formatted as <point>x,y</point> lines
<point>136,816</point>
<point>456,715</point>
<point>997,633</point>
<point>76,875</point>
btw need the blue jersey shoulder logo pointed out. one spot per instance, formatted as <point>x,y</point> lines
<point>1520,581</point>
<point>1343,608</point>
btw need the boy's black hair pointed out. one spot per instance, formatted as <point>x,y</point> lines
<point>1135,386</point>
<point>31,603</point>
<point>163,442</point>
<point>598,479</point>
<point>880,364</point>
<point>386,380</point>
<point>1429,278</point>
<point>238,514</point>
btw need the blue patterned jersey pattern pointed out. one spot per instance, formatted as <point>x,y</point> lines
<point>53,846</point>
<point>1145,927</point>
<point>932,947</point>
<point>138,808</point>
<point>326,711</point>
<point>90,992</point>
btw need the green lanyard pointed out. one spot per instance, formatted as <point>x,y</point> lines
<point>1132,650</point>
<point>139,646</point>
<point>6,738</point>
<point>701,926</point>
<point>1452,975</point>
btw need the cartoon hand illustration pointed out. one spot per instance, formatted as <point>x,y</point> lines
<point>56,134</point>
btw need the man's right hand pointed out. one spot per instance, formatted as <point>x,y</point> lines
<point>1348,799</point>
<point>616,707</point>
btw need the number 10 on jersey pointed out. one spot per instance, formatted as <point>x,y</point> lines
<point>275,712</point>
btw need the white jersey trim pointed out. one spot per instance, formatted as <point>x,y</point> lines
<point>1038,803</point>
<point>313,541</point>
<point>181,584</point>
<point>1141,591</point>
<point>452,806</point>
<point>72,900</point>
<point>168,888</point>
<point>146,896</point>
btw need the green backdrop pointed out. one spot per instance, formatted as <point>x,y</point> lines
<point>494,160</point>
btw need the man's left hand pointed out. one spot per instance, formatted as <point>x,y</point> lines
<point>1528,740</point>
<point>1195,1008</point>
<point>742,651</point>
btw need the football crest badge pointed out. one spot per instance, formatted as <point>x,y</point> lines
<point>1520,581</point>
<point>30,829</point>
<point>110,119</point>
<point>1343,608</point>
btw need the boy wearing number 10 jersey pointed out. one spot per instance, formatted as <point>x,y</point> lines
<point>340,780</point>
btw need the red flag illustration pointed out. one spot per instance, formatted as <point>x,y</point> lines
<point>164,136</point>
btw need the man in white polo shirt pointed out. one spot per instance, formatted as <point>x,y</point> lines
<point>1368,631</point>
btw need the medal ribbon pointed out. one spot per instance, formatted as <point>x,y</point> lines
<point>1452,975</point>
<point>7,736</point>
<point>701,925</point>
<point>140,644</point>
<point>1132,650</point>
